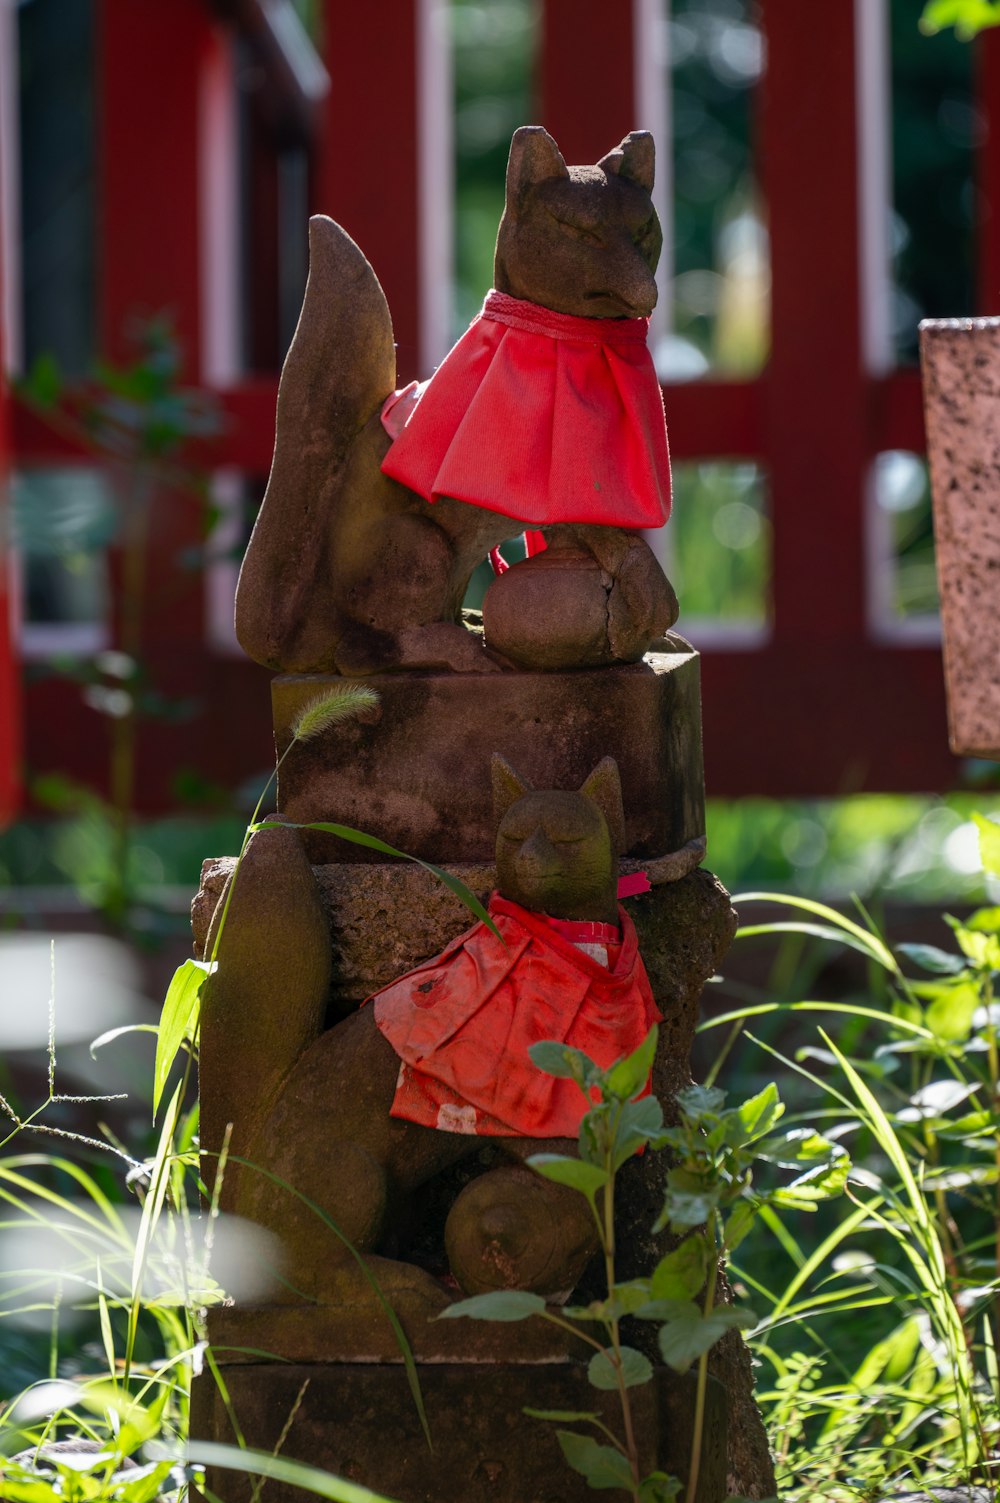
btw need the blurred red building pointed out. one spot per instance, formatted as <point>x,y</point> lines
<point>165,158</point>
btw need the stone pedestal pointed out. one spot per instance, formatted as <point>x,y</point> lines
<point>361,1423</point>
<point>419,778</point>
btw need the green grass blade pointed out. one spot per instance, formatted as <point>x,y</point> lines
<point>280,1469</point>
<point>872,943</point>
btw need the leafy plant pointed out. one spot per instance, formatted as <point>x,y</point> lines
<point>710,1204</point>
<point>139,422</point>
<point>968,17</point>
<point>916,1264</point>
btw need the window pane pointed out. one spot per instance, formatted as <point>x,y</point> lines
<point>721,292</point>
<point>905,551</point>
<point>63,522</point>
<point>935,128</point>
<point>56,73</point>
<point>495,44</point>
<point>721,540</point>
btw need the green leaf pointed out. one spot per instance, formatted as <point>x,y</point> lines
<point>587,1178</point>
<point>658,1487</point>
<point>499,1304</point>
<point>967,16</point>
<point>989,833</point>
<point>690,1333</point>
<point>630,1296</point>
<point>796,1146</point>
<point>930,958</point>
<point>690,1199</point>
<point>682,1272</point>
<point>635,1368</point>
<point>739,1223</point>
<point>602,1466</point>
<point>821,1183</point>
<point>698,1101</point>
<point>984,921</point>
<point>631,1074</point>
<point>43,384</point>
<point>949,1016</point>
<point>639,1122</point>
<point>178,1019</point>
<point>563,1062</point>
<point>753,1118</point>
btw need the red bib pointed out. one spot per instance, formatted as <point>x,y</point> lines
<point>540,416</point>
<point>462,1025</point>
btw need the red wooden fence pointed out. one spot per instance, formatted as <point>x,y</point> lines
<point>821,706</point>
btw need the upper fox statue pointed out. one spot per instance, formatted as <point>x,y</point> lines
<point>546,415</point>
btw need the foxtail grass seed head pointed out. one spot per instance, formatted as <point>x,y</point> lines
<point>349,703</point>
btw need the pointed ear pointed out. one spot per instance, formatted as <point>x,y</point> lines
<point>604,788</point>
<point>634,159</point>
<point>534,157</point>
<point>508,786</point>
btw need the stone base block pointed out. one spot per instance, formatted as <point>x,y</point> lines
<point>419,776</point>
<point>361,1423</point>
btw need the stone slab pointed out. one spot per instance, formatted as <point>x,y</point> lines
<point>960,359</point>
<point>332,1333</point>
<point>419,776</point>
<point>387,917</point>
<point>361,1423</point>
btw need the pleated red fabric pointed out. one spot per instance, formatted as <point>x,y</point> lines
<point>540,416</point>
<point>462,1025</point>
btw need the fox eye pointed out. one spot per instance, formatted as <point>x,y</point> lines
<point>578,231</point>
<point>647,229</point>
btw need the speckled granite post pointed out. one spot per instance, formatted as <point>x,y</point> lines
<point>961,374</point>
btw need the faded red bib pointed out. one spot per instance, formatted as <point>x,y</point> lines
<point>462,1023</point>
<point>540,416</point>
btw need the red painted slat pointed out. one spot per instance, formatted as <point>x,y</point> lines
<point>898,412</point>
<point>366,168</point>
<point>148,154</point>
<point>715,419</point>
<point>586,76</point>
<point>149,261</point>
<point>815,394</point>
<point>806,719</point>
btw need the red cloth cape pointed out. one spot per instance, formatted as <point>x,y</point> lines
<point>463,1022</point>
<point>542,417</point>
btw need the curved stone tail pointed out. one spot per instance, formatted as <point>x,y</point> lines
<point>339,369</point>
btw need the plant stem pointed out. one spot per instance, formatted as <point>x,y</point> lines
<point>608,1239</point>
<point>698,1428</point>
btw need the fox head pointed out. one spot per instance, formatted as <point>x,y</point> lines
<point>557,852</point>
<point>580,240</point>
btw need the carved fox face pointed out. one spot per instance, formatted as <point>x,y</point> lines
<point>557,852</point>
<point>581,240</point>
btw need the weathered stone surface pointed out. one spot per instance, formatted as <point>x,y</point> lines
<point>361,1423</point>
<point>961,374</point>
<point>684,929</point>
<point>420,778</point>
<point>355,1332</point>
<point>387,917</point>
<point>595,596</point>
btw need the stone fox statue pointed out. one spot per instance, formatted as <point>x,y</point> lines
<point>444,1047</point>
<point>351,571</point>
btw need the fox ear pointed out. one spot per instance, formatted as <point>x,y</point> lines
<point>604,788</point>
<point>534,157</point>
<point>634,159</point>
<point>508,786</point>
